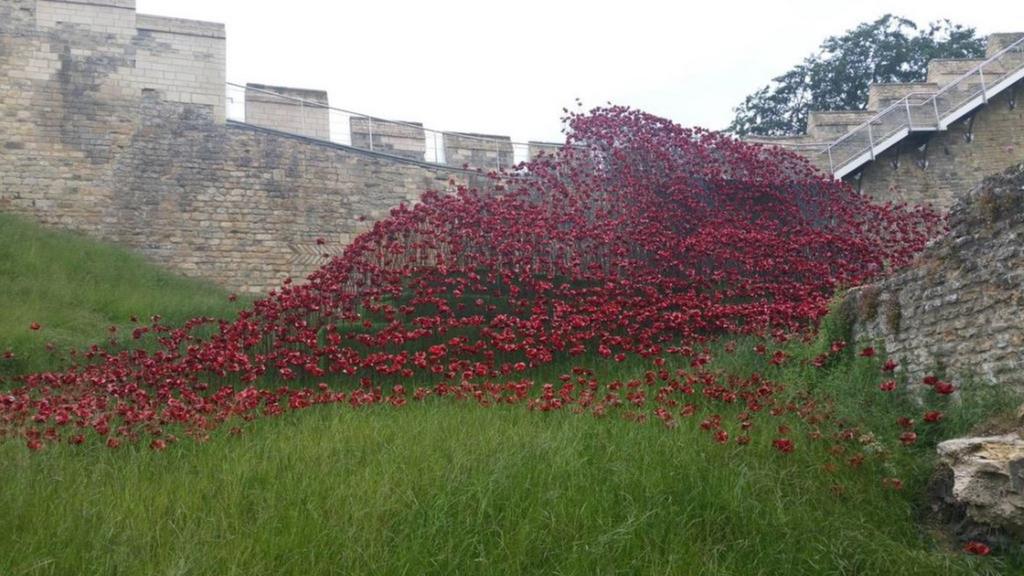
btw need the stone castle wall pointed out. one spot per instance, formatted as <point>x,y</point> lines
<point>111,123</point>
<point>959,311</point>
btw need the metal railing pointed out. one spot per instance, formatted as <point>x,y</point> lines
<point>267,108</point>
<point>924,111</point>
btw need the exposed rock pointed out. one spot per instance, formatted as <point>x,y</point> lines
<point>980,486</point>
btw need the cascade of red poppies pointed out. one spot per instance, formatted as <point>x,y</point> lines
<point>639,235</point>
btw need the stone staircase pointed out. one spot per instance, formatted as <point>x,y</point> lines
<point>841,142</point>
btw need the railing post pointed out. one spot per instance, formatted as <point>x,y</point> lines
<point>984,90</point>
<point>369,129</point>
<point>935,105</point>
<point>871,141</point>
<point>910,119</point>
<point>302,116</point>
<point>831,166</point>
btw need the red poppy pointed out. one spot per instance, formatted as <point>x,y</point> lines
<point>978,548</point>
<point>892,483</point>
<point>784,445</point>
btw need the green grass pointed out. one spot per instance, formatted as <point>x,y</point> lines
<point>441,488</point>
<point>76,288</point>
<point>448,488</point>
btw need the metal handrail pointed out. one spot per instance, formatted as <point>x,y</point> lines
<point>498,142</point>
<point>931,100</point>
<point>905,101</point>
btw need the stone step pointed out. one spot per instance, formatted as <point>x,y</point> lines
<point>788,140</point>
<point>997,42</point>
<point>808,147</point>
<point>880,96</point>
<point>945,72</point>
<point>942,71</point>
<point>829,125</point>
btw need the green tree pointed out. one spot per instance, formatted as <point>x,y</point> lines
<point>890,49</point>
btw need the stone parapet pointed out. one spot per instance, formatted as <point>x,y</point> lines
<point>293,110</point>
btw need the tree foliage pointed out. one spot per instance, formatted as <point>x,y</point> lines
<point>890,49</point>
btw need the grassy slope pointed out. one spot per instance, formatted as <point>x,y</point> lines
<point>76,288</point>
<point>445,488</point>
<point>442,488</point>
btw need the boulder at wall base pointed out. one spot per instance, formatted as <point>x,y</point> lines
<point>979,487</point>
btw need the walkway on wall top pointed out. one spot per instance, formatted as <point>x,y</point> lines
<point>923,112</point>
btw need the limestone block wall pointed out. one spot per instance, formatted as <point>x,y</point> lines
<point>406,139</point>
<point>293,110</point>
<point>244,206</point>
<point>934,169</point>
<point>999,41</point>
<point>482,151</point>
<point>67,106</point>
<point>113,17</point>
<point>942,71</point>
<point>959,311</point>
<point>881,96</point>
<point>91,142</point>
<point>183,59</point>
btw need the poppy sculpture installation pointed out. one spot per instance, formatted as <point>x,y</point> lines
<point>639,237</point>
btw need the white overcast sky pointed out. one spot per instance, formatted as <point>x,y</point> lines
<point>509,68</point>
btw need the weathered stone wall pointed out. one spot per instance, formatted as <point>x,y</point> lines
<point>182,59</point>
<point>245,206</point>
<point>91,142</point>
<point>294,110</point>
<point>959,311</point>
<point>935,168</point>
<point>482,151</point>
<point>406,139</point>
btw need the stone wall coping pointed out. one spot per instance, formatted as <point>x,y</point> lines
<point>122,4</point>
<point>844,112</point>
<point>362,151</point>
<point>180,26</point>
<point>362,120</point>
<point>475,135</point>
<point>919,84</point>
<point>288,95</point>
<point>976,60</point>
